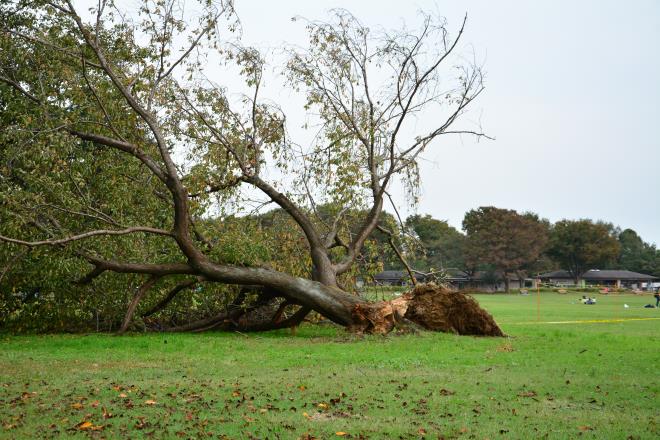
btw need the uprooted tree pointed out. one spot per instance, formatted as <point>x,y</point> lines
<point>118,145</point>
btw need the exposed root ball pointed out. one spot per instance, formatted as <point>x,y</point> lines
<point>439,309</point>
<point>429,306</point>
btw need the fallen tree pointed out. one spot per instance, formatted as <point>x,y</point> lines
<point>76,87</point>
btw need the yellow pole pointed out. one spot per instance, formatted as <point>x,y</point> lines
<point>538,300</point>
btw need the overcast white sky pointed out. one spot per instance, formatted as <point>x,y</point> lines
<point>572,97</point>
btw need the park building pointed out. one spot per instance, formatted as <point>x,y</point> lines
<point>493,281</point>
<point>620,279</point>
<point>488,281</point>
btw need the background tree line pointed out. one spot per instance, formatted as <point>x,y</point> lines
<point>506,242</point>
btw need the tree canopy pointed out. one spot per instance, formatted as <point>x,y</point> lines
<point>442,244</point>
<point>637,255</point>
<point>118,147</point>
<point>504,239</point>
<point>580,245</point>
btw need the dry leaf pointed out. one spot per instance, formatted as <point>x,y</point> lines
<point>77,405</point>
<point>341,433</point>
<point>106,414</point>
<point>85,426</point>
<point>149,402</point>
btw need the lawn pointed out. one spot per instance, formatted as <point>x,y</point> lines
<point>549,379</point>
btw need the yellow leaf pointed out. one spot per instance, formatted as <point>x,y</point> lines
<point>323,405</point>
<point>341,433</point>
<point>123,395</point>
<point>84,426</point>
<point>77,405</point>
<point>149,402</point>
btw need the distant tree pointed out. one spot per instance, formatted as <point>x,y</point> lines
<point>442,244</point>
<point>637,255</point>
<point>580,245</point>
<point>504,239</point>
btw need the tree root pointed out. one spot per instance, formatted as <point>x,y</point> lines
<point>430,307</point>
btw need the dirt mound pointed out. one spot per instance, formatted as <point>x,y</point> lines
<point>439,309</point>
<point>429,306</point>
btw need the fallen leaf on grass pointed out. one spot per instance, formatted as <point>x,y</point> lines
<point>123,395</point>
<point>341,433</point>
<point>584,428</point>
<point>149,402</point>
<point>505,348</point>
<point>88,426</point>
<point>444,392</point>
<point>84,425</point>
<point>141,423</point>
<point>323,405</point>
<point>106,414</point>
<point>527,394</point>
<point>77,405</point>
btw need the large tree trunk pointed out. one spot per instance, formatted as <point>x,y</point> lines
<point>428,306</point>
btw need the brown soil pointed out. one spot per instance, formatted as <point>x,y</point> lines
<point>431,307</point>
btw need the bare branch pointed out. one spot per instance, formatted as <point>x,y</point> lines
<point>82,236</point>
<point>398,253</point>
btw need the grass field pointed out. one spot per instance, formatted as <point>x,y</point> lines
<point>547,380</point>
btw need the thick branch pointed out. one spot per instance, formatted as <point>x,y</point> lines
<point>134,302</point>
<point>285,203</point>
<point>124,146</point>
<point>170,296</point>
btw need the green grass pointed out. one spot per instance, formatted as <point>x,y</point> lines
<point>586,380</point>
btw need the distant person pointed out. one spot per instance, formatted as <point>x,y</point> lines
<point>657,297</point>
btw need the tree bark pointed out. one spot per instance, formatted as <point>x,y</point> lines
<point>134,302</point>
